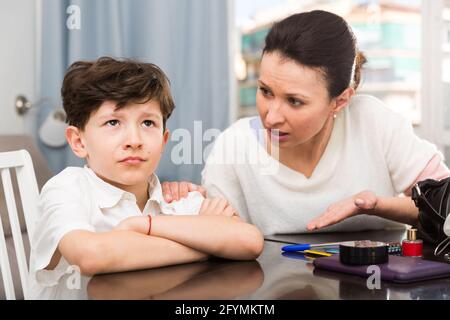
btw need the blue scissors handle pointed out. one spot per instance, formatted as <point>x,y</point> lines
<point>296,247</point>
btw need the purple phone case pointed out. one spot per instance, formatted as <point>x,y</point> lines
<point>399,269</point>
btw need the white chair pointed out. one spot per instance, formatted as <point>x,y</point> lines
<point>28,189</point>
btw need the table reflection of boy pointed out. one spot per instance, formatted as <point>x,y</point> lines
<point>201,280</point>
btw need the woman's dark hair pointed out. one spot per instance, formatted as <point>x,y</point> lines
<point>319,39</point>
<point>87,84</point>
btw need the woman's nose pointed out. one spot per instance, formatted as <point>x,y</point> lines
<point>274,117</point>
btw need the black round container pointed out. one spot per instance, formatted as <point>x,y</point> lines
<point>364,252</point>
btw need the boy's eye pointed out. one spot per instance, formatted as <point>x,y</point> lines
<point>112,123</point>
<point>148,123</point>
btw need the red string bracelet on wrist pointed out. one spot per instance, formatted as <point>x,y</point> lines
<point>149,224</point>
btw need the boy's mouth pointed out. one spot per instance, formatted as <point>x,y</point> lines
<point>132,160</point>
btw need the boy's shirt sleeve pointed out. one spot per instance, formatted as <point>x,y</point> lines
<point>62,208</point>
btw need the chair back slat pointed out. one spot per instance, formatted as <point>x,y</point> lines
<point>5,266</point>
<point>29,193</point>
<point>15,228</point>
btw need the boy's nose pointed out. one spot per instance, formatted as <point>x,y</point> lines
<point>133,139</point>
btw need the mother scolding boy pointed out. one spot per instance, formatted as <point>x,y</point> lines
<point>345,161</point>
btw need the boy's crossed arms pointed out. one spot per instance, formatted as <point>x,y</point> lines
<point>173,240</point>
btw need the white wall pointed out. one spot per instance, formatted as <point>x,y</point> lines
<point>17,60</point>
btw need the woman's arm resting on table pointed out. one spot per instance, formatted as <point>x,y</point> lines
<point>400,209</point>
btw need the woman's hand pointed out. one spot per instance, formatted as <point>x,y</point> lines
<point>174,191</point>
<point>361,203</point>
<point>217,206</point>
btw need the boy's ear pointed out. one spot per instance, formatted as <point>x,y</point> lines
<point>166,135</point>
<point>73,136</point>
<point>343,99</point>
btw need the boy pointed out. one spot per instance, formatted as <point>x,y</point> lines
<point>110,216</point>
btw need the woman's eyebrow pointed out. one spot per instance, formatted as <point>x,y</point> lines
<point>262,83</point>
<point>296,95</point>
<point>293,95</point>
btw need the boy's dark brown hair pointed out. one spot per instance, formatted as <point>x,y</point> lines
<point>87,84</point>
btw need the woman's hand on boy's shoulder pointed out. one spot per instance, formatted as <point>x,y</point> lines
<point>174,191</point>
<point>217,206</point>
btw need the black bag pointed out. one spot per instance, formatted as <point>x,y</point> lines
<point>432,198</point>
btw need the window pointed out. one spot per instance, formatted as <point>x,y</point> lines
<point>443,135</point>
<point>388,32</point>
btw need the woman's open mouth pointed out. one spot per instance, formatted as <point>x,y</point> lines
<point>278,135</point>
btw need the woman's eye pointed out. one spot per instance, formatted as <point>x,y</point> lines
<point>148,123</point>
<point>294,102</point>
<point>112,123</point>
<point>264,91</point>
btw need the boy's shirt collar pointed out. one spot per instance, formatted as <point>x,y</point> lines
<point>108,195</point>
<point>155,189</point>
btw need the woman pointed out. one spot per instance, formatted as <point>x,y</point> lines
<point>338,156</point>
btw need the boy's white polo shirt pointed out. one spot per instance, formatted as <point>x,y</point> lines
<point>77,199</point>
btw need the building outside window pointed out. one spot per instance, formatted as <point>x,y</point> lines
<point>388,33</point>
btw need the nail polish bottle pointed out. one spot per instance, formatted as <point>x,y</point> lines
<point>411,246</point>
